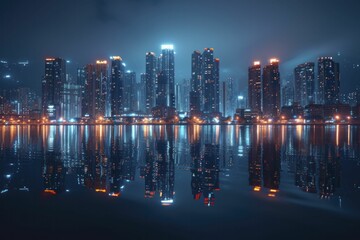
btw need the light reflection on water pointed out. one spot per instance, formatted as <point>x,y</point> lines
<point>278,162</point>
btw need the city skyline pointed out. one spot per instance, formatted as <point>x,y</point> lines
<point>179,119</point>
<point>108,89</point>
<point>248,24</point>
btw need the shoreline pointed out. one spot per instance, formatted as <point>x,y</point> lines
<point>178,124</point>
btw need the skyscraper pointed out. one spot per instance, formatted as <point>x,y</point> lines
<point>142,94</point>
<point>254,87</point>
<point>129,93</point>
<point>231,98</point>
<point>304,83</point>
<point>53,81</point>
<point>210,78</point>
<point>71,101</point>
<point>196,83</point>
<point>117,86</point>
<point>328,81</point>
<point>196,74</point>
<point>271,89</point>
<point>150,82</point>
<point>217,84</point>
<point>96,83</point>
<point>168,72</point>
<point>287,90</point>
<point>183,95</point>
<point>162,90</point>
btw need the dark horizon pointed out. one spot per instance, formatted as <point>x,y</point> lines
<point>240,32</point>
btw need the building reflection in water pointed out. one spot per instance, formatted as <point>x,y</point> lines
<point>105,159</point>
<point>204,167</point>
<point>159,167</point>
<point>20,151</point>
<point>53,166</point>
<point>264,160</point>
<point>165,164</point>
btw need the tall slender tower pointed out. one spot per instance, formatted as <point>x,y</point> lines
<point>208,77</point>
<point>254,87</point>
<point>304,83</point>
<point>52,84</point>
<point>129,92</point>
<point>196,65</point>
<point>168,71</point>
<point>117,86</point>
<point>196,87</point>
<point>150,81</point>
<point>217,84</point>
<point>162,90</point>
<point>328,81</point>
<point>271,89</point>
<point>96,89</point>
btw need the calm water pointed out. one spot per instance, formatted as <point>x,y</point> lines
<point>232,182</point>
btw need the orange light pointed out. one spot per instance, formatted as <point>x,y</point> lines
<point>101,62</point>
<point>274,60</point>
<point>50,191</point>
<point>256,63</point>
<point>114,194</point>
<point>257,189</point>
<point>274,190</point>
<point>50,59</point>
<point>271,195</point>
<point>100,190</point>
<point>116,58</point>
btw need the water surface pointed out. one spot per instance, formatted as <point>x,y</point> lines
<point>180,181</point>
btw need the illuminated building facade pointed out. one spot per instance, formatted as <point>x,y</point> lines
<point>150,81</point>
<point>196,87</point>
<point>96,89</point>
<point>328,81</point>
<point>287,91</point>
<point>117,86</point>
<point>161,90</point>
<point>254,87</point>
<point>305,83</point>
<point>71,101</point>
<point>52,84</point>
<point>196,73</point>
<point>271,89</point>
<point>141,92</point>
<point>217,84</point>
<point>182,95</point>
<point>210,79</point>
<point>129,92</point>
<point>168,74</point>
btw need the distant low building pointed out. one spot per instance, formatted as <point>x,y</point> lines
<point>164,112</point>
<point>333,110</point>
<point>293,111</point>
<point>314,111</point>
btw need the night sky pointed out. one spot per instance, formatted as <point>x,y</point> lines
<point>240,31</point>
